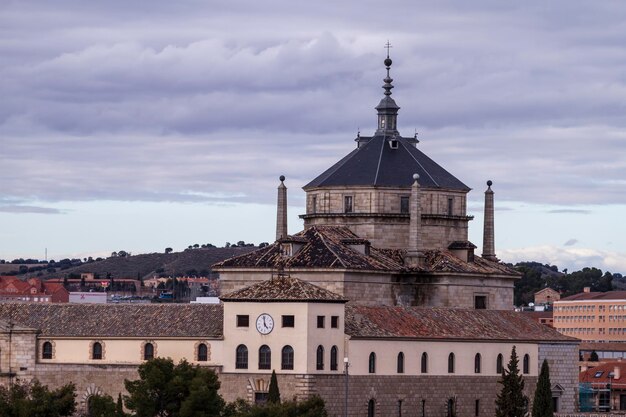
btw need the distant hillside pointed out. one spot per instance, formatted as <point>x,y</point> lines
<point>189,262</point>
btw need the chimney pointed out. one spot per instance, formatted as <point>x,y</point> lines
<point>413,253</point>
<point>281,210</point>
<point>617,372</point>
<point>587,289</point>
<point>489,251</point>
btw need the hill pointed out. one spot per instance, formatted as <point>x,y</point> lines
<point>189,262</point>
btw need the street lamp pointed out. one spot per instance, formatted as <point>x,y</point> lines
<point>346,365</point>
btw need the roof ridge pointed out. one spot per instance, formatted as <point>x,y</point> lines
<point>332,251</point>
<point>380,158</point>
<point>418,163</point>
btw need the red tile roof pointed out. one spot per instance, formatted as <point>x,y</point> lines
<point>605,372</point>
<point>609,295</point>
<point>284,289</point>
<point>445,323</point>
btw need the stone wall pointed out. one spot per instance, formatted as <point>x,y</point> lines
<point>563,362</point>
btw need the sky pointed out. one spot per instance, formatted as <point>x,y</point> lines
<point>149,124</point>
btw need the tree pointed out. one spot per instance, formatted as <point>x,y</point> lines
<point>511,401</point>
<point>164,390</point>
<point>312,407</point>
<point>273,393</point>
<point>101,406</point>
<point>119,407</point>
<point>542,404</point>
<point>593,357</point>
<point>169,250</point>
<point>35,399</point>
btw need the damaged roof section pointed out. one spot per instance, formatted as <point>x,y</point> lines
<point>444,323</point>
<point>335,247</point>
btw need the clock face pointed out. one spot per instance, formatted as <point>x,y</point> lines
<point>265,323</point>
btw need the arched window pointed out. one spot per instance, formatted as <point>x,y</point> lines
<point>372,363</point>
<point>46,350</point>
<point>320,358</point>
<point>477,363</point>
<point>400,363</point>
<point>371,408</point>
<point>96,351</point>
<point>451,408</point>
<point>265,357</point>
<point>286,358</point>
<point>424,369</point>
<point>451,363</point>
<point>333,358</point>
<point>148,351</point>
<point>499,363</point>
<point>203,353</point>
<point>241,357</point>
<point>526,364</point>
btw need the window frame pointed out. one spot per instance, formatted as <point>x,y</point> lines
<point>400,363</point>
<point>451,363</point>
<point>371,368</point>
<point>405,204</point>
<point>500,364</point>
<point>243,320</point>
<point>334,358</point>
<point>321,322</point>
<point>477,363</point>
<point>319,358</point>
<point>148,355</point>
<point>334,322</point>
<point>348,204</point>
<point>241,357</point>
<point>288,320</point>
<point>265,357</point>
<point>203,353</point>
<point>287,358</point>
<point>45,353</point>
<point>526,364</point>
<point>424,363</point>
<point>97,352</point>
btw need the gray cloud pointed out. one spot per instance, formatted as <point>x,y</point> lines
<point>29,209</point>
<point>569,211</point>
<point>195,103</point>
<point>570,242</point>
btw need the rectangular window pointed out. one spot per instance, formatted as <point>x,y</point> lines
<point>314,204</point>
<point>477,408</point>
<point>261,397</point>
<point>320,322</point>
<point>404,204</point>
<point>243,320</point>
<point>450,206</point>
<point>289,321</point>
<point>347,204</point>
<point>480,302</point>
<point>334,322</point>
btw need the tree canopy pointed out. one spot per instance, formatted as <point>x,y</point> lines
<point>542,404</point>
<point>36,400</point>
<point>511,401</point>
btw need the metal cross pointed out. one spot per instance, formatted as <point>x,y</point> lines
<point>387,46</point>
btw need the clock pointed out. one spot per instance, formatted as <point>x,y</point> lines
<point>265,323</point>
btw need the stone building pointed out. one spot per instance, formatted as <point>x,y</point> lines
<point>385,225</point>
<point>410,361</point>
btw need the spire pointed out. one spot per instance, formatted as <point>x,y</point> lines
<point>387,108</point>
<point>281,210</point>
<point>414,254</point>
<point>489,251</point>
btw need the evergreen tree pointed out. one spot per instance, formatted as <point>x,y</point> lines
<point>594,356</point>
<point>542,404</point>
<point>119,407</point>
<point>511,401</point>
<point>273,396</point>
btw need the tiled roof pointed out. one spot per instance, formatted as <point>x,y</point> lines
<point>445,323</point>
<point>375,163</point>
<point>602,371</point>
<point>604,346</point>
<point>609,295</point>
<point>323,249</point>
<point>123,320</point>
<point>331,247</point>
<point>283,289</point>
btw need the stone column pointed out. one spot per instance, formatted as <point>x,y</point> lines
<point>281,210</point>
<point>413,253</point>
<point>489,250</point>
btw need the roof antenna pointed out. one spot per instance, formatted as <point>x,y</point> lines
<point>358,132</point>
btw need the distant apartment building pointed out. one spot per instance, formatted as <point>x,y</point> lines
<point>592,316</point>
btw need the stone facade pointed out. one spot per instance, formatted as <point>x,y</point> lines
<point>563,375</point>
<point>376,215</point>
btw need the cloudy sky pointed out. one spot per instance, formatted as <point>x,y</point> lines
<point>142,125</point>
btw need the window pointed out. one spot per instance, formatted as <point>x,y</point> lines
<point>424,364</point>
<point>451,408</point>
<point>289,321</point>
<point>477,363</point>
<point>372,363</point>
<point>148,351</point>
<point>347,204</point>
<point>480,302</point>
<point>598,374</point>
<point>46,351</point>
<point>286,361</point>
<point>399,408</point>
<point>404,204</point>
<point>243,320</point>
<point>320,322</point>
<point>314,204</point>
<point>241,357</point>
<point>96,351</point>
<point>203,353</point>
<point>333,358</point>
<point>334,322</point>
<point>451,363</point>
<point>393,144</point>
<point>526,364</point>
<point>265,357</point>
<point>450,206</point>
<point>477,408</point>
<point>371,408</point>
<point>400,364</point>
<point>499,364</point>
<point>319,358</point>
<point>261,397</point>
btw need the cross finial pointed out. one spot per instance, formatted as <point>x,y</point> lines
<point>388,46</point>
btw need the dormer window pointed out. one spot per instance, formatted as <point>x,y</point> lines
<point>393,144</point>
<point>287,249</point>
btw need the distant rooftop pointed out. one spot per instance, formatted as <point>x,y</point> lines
<point>283,289</point>
<point>600,296</point>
